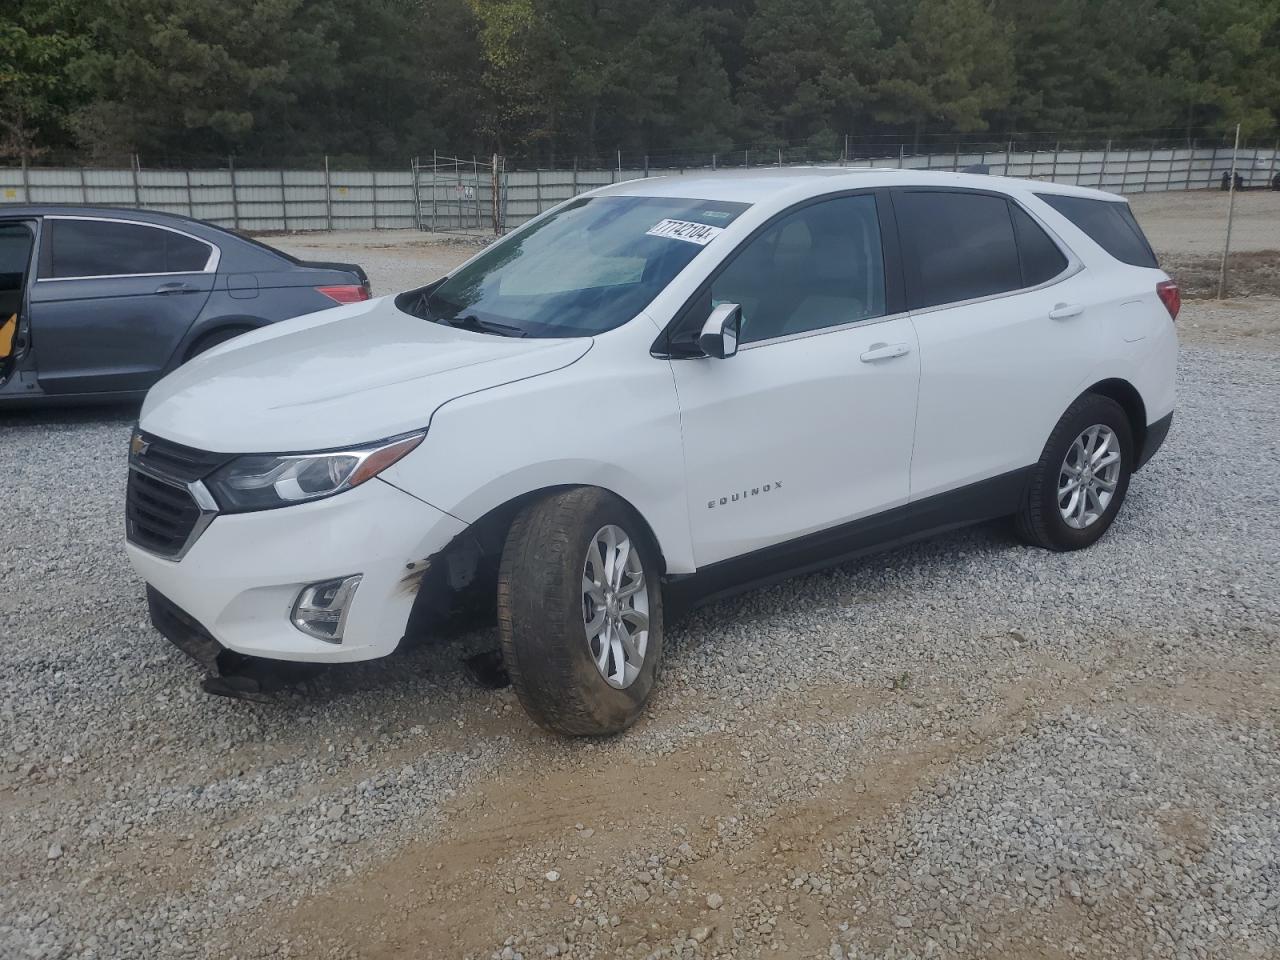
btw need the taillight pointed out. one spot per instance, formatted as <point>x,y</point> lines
<point>347,292</point>
<point>1170,296</point>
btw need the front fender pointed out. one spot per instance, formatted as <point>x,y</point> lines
<point>593,423</point>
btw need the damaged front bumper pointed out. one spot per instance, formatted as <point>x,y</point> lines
<point>237,587</point>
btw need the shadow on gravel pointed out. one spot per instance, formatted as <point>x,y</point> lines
<point>105,414</point>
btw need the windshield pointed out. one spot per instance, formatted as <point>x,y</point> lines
<point>589,267</point>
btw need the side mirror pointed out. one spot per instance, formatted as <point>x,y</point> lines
<point>719,336</point>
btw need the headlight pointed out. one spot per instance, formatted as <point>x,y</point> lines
<point>264,481</point>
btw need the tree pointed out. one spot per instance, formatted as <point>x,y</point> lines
<point>954,66</point>
<point>193,77</point>
<point>39,43</point>
<point>809,67</point>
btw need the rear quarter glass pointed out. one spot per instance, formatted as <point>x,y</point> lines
<point>1108,223</point>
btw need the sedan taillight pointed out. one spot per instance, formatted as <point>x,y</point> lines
<point>1170,296</point>
<point>347,292</point>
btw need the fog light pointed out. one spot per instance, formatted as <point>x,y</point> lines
<point>321,608</point>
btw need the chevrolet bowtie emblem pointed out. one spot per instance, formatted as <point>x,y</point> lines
<point>137,446</point>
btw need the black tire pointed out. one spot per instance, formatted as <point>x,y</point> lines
<point>1040,522</point>
<point>211,340</point>
<point>541,614</point>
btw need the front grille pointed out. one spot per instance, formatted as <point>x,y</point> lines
<point>161,515</point>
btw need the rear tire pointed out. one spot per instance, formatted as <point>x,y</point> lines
<point>1078,486</point>
<point>561,600</point>
<point>211,340</point>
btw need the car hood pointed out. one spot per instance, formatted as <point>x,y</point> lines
<point>340,377</point>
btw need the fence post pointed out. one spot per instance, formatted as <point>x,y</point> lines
<point>846,151</point>
<point>235,194</point>
<point>1271,169</point>
<point>435,167</point>
<point>284,202</point>
<point>537,190</point>
<point>746,158</point>
<point>955,160</point>
<point>1102,176</point>
<point>1053,171</point>
<point>1008,156</point>
<point>646,166</point>
<point>779,156</point>
<point>1213,165</point>
<point>191,210</point>
<point>713,161</point>
<point>1231,209</point>
<point>575,176</point>
<point>417,200</point>
<point>84,190</point>
<point>902,152</point>
<point>1124,175</point>
<point>26,181</point>
<point>137,187</point>
<point>1146,177</point>
<point>495,196</point>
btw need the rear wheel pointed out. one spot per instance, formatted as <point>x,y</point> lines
<point>1080,482</point>
<point>211,340</point>
<point>580,612</point>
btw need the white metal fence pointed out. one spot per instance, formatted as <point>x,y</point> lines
<point>427,197</point>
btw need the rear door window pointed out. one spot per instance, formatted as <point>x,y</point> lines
<point>956,246</point>
<point>1040,256</point>
<point>1109,223</point>
<point>107,248</point>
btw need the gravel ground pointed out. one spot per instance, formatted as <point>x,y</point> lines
<point>962,748</point>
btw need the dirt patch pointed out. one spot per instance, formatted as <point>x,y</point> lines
<point>1254,274</point>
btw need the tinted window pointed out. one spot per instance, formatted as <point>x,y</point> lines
<point>591,266</point>
<point>956,246</point>
<point>1109,224</point>
<point>101,248</point>
<point>1041,258</point>
<point>821,266</point>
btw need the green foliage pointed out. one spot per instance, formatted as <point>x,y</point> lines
<point>275,80</point>
<point>39,44</point>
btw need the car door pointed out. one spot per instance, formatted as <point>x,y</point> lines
<point>810,424</point>
<point>112,300</point>
<point>1002,318</point>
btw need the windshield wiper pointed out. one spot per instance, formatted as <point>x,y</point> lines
<point>472,322</point>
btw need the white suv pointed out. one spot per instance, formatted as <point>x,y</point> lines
<point>655,393</point>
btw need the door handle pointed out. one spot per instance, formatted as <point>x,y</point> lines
<point>884,351</point>
<point>1065,311</point>
<point>176,287</point>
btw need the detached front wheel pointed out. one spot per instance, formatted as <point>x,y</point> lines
<point>580,612</point>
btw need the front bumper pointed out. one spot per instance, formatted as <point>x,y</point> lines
<point>240,579</point>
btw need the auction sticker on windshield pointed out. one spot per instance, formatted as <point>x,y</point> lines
<point>687,230</point>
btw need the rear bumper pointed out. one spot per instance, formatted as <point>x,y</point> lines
<point>1154,440</point>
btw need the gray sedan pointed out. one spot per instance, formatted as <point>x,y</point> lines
<point>99,304</point>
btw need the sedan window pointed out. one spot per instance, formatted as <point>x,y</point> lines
<point>109,248</point>
<point>587,268</point>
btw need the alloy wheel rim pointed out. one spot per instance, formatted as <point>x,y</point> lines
<point>615,606</point>
<point>1089,476</point>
